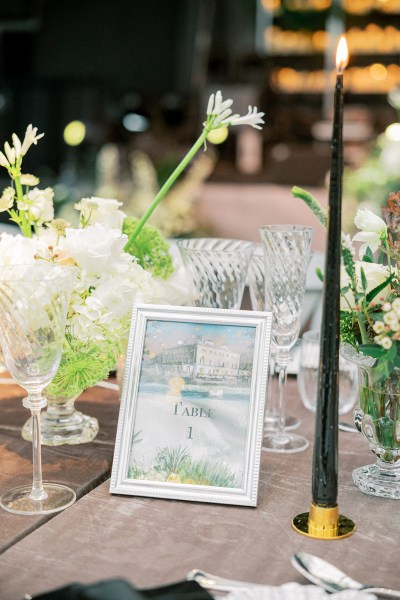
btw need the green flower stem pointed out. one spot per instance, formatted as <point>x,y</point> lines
<point>363,331</point>
<point>388,253</point>
<point>170,181</point>
<point>24,221</point>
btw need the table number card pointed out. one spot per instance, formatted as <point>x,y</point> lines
<point>191,416</point>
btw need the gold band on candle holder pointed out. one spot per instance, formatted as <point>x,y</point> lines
<point>323,523</point>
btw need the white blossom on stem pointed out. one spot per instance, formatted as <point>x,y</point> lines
<point>17,145</point>
<point>219,114</point>
<point>31,137</point>
<point>7,199</point>
<point>10,153</point>
<point>3,160</point>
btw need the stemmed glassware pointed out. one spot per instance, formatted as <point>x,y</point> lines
<point>218,267</point>
<point>256,282</point>
<point>286,254</point>
<point>34,302</point>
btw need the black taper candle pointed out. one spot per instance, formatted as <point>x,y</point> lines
<point>325,457</point>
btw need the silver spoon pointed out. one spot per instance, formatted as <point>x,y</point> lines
<point>331,579</point>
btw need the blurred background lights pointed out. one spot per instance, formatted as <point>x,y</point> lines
<point>378,72</point>
<point>217,136</point>
<point>74,133</point>
<point>393,132</point>
<point>135,123</point>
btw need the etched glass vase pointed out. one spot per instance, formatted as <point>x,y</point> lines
<point>378,419</point>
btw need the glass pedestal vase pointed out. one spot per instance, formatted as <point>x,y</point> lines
<point>378,419</point>
<point>63,424</point>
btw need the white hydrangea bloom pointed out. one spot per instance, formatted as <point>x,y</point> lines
<point>101,210</point>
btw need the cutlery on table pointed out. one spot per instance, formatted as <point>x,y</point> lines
<point>212,582</point>
<point>331,579</point>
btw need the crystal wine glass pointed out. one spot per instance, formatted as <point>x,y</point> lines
<point>256,282</point>
<point>34,301</point>
<point>286,253</point>
<point>219,269</point>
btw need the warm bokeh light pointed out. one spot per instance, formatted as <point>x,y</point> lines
<point>393,132</point>
<point>378,72</point>
<point>74,133</point>
<point>342,55</point>
<point>217,136</point>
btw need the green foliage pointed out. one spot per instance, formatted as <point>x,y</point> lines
<point>83,364</point>
<point>171,460</point>
<point>318,210</point>
<point>150,248</point>
<point>348,328</point>
<point>175,464</point>
<point>376,290</point>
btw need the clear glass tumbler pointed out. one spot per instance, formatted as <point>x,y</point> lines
<point>218,268</point>
<point>307,377</point>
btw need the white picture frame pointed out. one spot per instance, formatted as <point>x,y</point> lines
<point>190,424</point>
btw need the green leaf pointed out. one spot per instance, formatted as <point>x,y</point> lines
<point>319,274</point>
<point>364,281</point>
<point>372,350</point>
<point>375,291</point>
<point>368,256</point>
<point>366,259</point>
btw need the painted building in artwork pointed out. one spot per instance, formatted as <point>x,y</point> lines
<point>200,359</point>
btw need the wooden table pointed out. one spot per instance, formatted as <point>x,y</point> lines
<point>152,541</point>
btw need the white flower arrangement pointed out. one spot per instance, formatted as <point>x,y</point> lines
<point>120,260</point>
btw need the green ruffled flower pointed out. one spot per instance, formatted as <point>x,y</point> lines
<point>150,248</point>
<point>83,364</point>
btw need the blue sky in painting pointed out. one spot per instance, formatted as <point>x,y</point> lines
<point>168,334</point>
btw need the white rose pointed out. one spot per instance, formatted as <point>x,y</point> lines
<point>375,274</point>
<point>373,229</point>
<point>95,248</point>
<point>41,205</point>
<point>101,210</point>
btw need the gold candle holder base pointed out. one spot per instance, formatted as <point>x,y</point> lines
<point>323,523</point>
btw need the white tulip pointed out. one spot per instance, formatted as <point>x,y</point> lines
<point>375,275</point>
<point>371,240</point>
<point>366,220</point>
<point>373,229</point>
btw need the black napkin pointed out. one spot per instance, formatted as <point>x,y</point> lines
<point>118,589</point>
